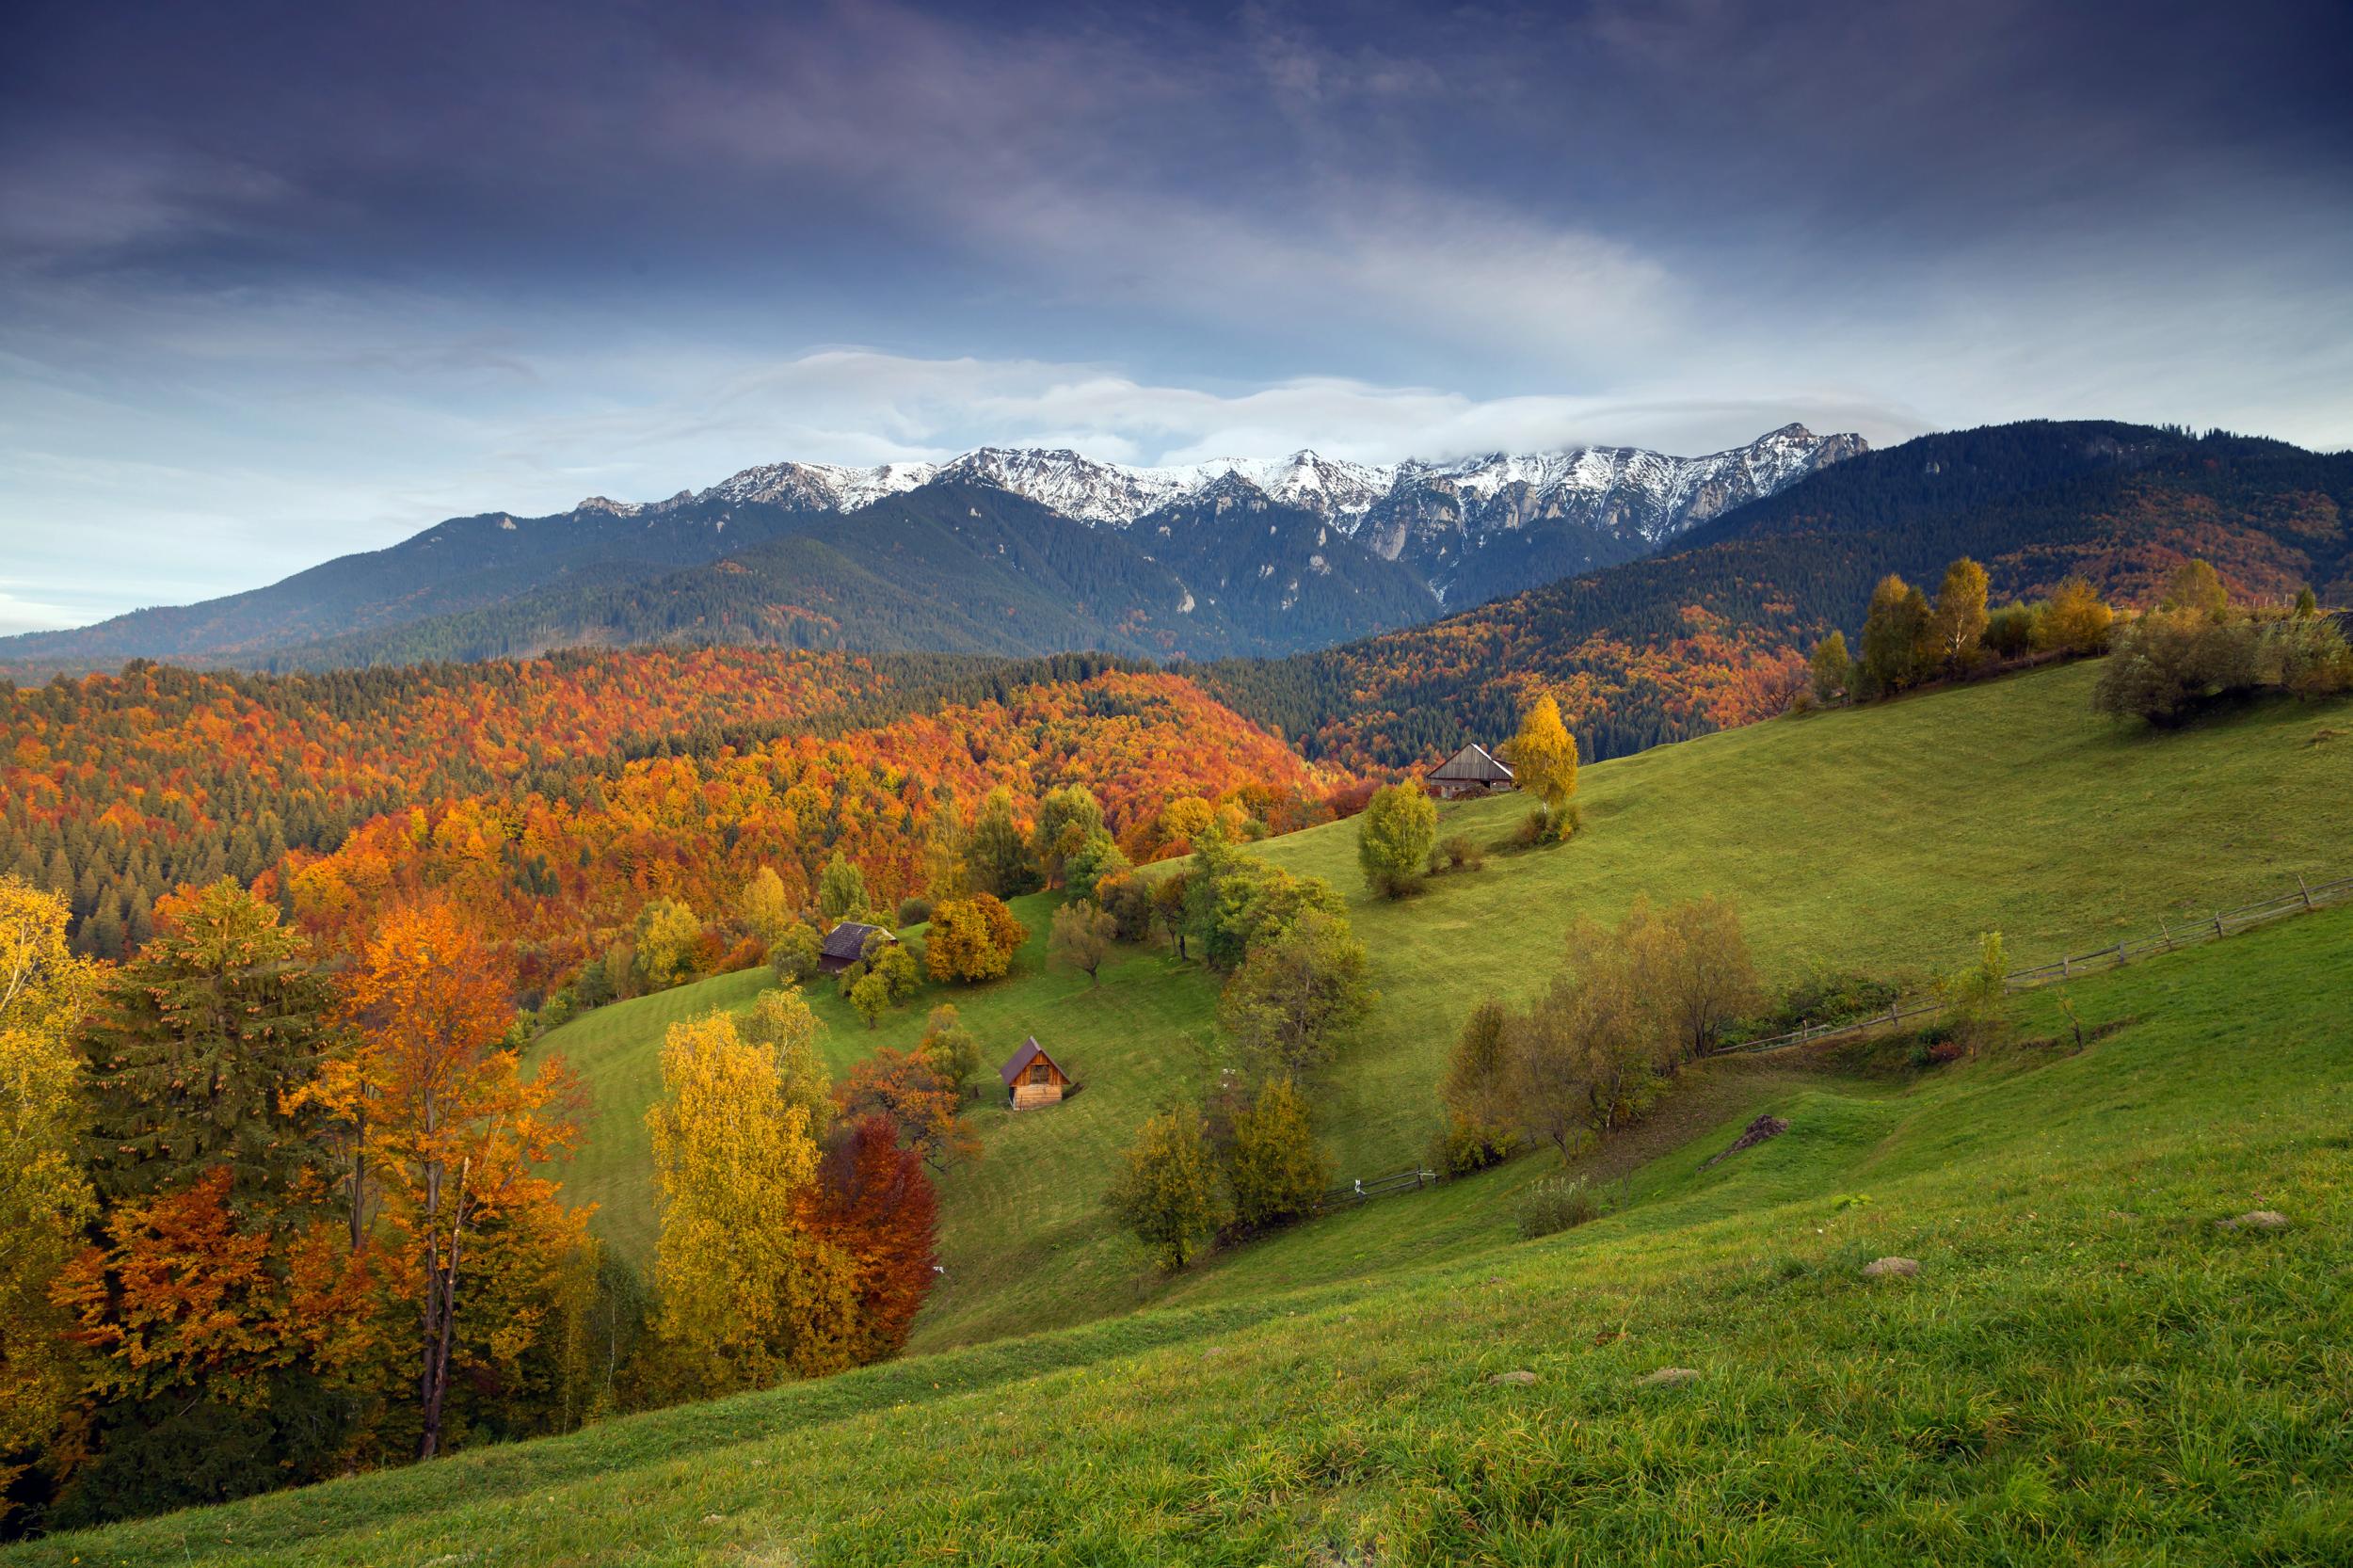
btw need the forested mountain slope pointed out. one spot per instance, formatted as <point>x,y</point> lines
<point>960,567</point>
<point>1711,633</point>
<point>462,564</point>
<point>116,789</point>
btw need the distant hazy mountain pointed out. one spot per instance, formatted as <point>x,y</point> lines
<point>1234,556</point>
<point>948,566</point>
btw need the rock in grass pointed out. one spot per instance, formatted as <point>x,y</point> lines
<point>1522,1375</point>
<point>2256,1219</point>
<point>1670,1377</point>
<point>1880,1268</point>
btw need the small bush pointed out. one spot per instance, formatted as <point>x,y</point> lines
<point>2010,632</point>
<point>1461,854</point>
<point>1556,1203</point>
<point>793,956</point>
<point>1823,996</point>
<point>1541,826</point>
<point>914,909</point>
<point>1464,1147</point>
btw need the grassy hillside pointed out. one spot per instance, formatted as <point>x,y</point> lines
<point>1881,839</point>
<point>1885,839</point>
<point>2087,1367</point>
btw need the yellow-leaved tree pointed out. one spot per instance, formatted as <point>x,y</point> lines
<point>44,1198</point>
<point>749,1296</point>
<point>1544,760</point>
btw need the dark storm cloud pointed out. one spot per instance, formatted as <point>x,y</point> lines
<point>266,263</point>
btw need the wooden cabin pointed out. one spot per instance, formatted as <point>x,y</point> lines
<point>1469,772</point>
<point>1032,1077</point>
<point>845,944</point>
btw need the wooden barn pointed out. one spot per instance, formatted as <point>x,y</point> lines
<point>1032,1077</point>
<point>845,944</point>
<point>1469,772</point>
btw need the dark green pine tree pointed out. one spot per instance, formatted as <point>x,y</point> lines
<point>196,1042</point>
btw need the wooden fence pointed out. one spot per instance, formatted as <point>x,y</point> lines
<point>2222,923</point>
<point>1362,1191</point>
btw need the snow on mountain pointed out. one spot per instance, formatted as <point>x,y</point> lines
<point>1427,512</point>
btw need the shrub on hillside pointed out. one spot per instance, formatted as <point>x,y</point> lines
<point>950,1049</point>
<point>1554,1205</point>
<point>1298,999</point>
<point>793,956</point>
<point>1274,1167</point>
<point>1541,828</point>
<point>1480,1125</point>
<point>1974,997</point>
<point>1127,900</point>
<point>1829,670</point>
<point>1167,1193</point>
<point>1823,996</point>
<point>2010,631</point>
<point>1458,852</point>
<point>914,909</point>
<point>2172,662</point>
<point>972,938</point>
<point>1080,938</point>
<point>2075,620</point>
<point>1394,837</point>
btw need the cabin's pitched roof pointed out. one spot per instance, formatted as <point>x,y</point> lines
<point>848,939</point>
<point>1471,766</point>
<point>1031,1050</point>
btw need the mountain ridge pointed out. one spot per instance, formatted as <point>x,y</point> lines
<point>1391,544</point>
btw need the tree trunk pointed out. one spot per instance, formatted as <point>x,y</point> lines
<point>358,1180</point>
<point>440,1316</point>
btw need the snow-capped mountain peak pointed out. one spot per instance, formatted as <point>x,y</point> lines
<point>1465,526</point>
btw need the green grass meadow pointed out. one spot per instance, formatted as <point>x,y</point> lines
<point>2088,1367</point>
<point>1883,838</point>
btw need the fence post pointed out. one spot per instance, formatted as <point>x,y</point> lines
<point>2217,925</point>
<point>2065,973</point>
<point>2307,891</point>
<point>2168,932</point>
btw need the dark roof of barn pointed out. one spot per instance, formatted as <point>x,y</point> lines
<point>848,939</point>
<point>1472,765</point>
<point>1031,1050</point>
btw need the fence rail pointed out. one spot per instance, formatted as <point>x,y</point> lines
<point>2222,923</point>
<point>1365,1190</point>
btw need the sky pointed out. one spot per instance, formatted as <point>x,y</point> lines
<point>279,281</point>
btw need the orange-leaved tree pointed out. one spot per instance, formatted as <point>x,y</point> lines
<point>446,1141</point>
<point>908,1090</point>
<point>875,1204</point>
